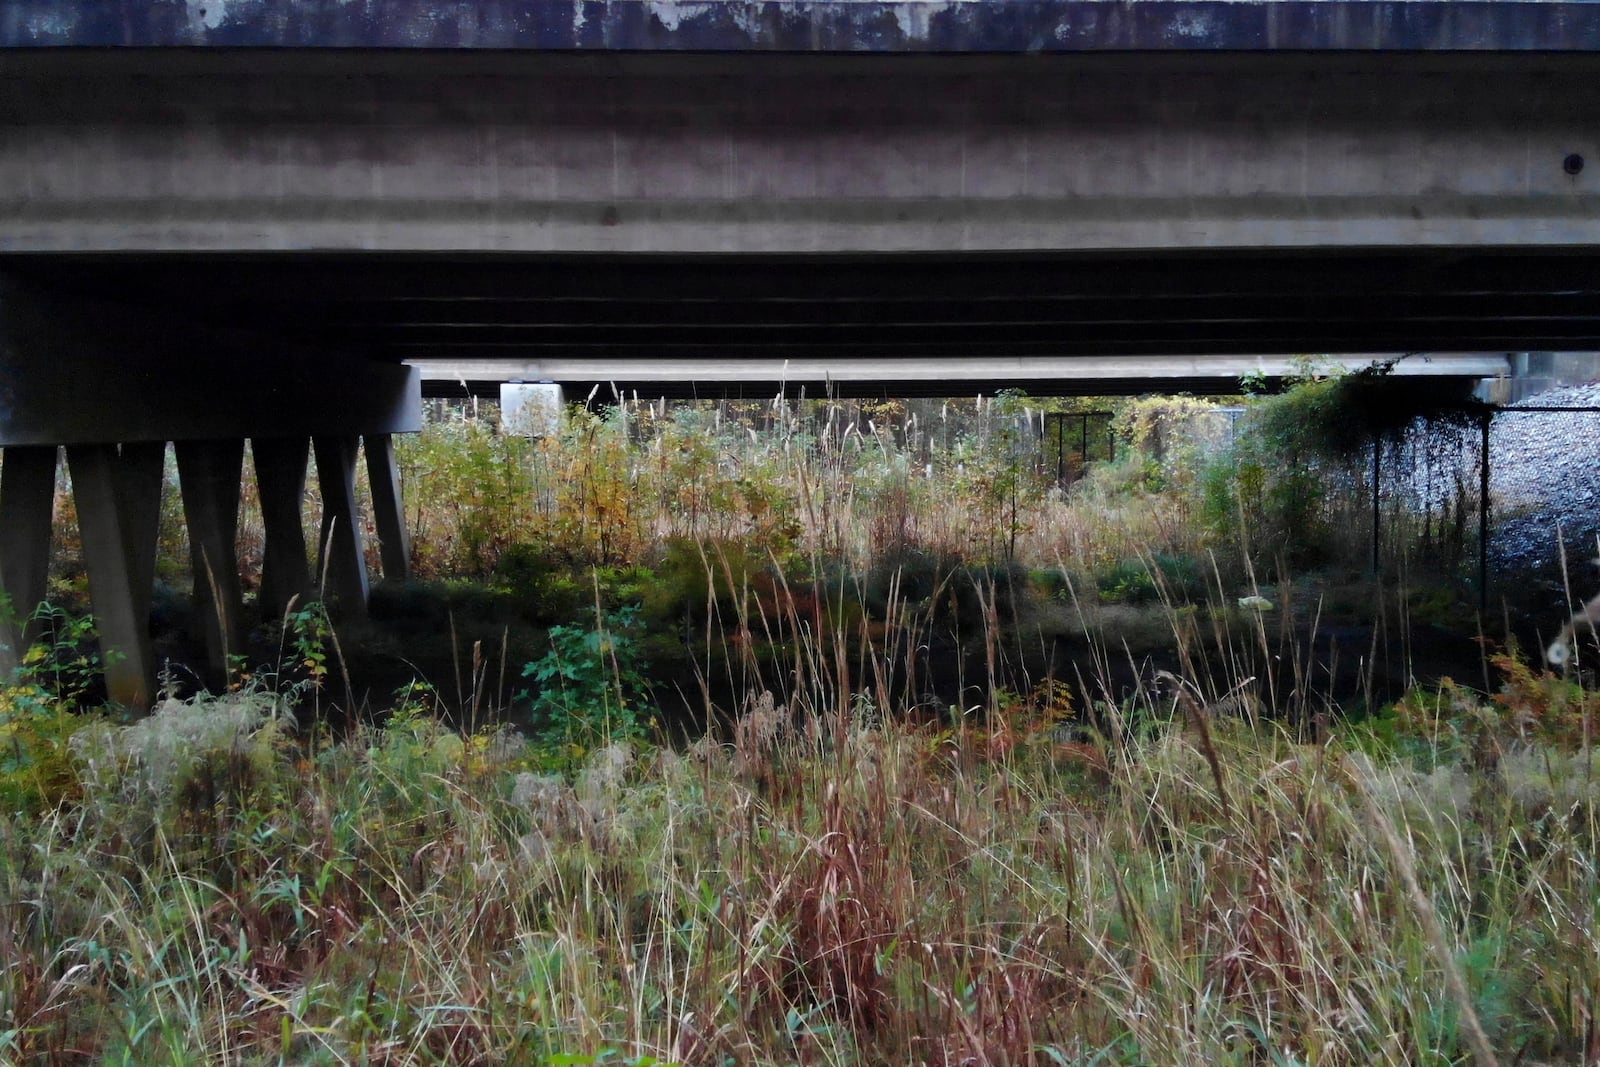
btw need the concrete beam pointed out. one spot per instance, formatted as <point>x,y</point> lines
<point>78,371</point>
<point>787,154</point>
<point>27,500</point>
<point>956,373</point>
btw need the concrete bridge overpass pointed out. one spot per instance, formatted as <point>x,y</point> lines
<point>224,220</point>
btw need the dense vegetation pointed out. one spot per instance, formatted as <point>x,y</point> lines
<point>899,824</point>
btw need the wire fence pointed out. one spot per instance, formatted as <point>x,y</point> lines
<point>1070,440</point>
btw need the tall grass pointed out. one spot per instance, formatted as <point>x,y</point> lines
<point>1209,865</point>
<point>799,480</point>
<point>829,880</point>
<point>824,885</point>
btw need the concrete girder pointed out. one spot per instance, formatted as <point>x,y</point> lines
<point>80,371</point>
<point>796,154</point>
<point>536,408</point>
<point>27,499</point>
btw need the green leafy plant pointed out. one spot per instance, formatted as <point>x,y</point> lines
<point>307,632</point>
<point>63,660</point>
<point>1146,580</point>
<point>591,687</point>
<point>58,675</point>
<point>36,771</point>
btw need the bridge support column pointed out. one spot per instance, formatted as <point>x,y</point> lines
<point>210,474</point>
<point>280,464</point>
<point>27,496</point>
<point>388,514</point>
<point>342,565</point>
<point>114,385</point>
<point>117,490</point>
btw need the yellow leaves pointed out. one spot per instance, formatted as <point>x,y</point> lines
<point>23,699</point>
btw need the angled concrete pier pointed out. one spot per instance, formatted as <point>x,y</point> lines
<point>114,386</point>
<point>280,466</point>
<point>209,474</point>
<point>117,489</point>
<point>388,510</point>
<point>341,556</point>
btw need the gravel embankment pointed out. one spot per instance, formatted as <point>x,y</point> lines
<point>1545,474</point>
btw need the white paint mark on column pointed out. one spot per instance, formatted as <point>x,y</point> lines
<point>667,13</point>
<point>207,13</point>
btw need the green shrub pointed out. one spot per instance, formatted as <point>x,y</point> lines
<point>590,687</point>
<point>36,771</point>
<point>1268,491</point>
<point>1169,438</point>
<point>59,673</point>
<point>1142,581</point>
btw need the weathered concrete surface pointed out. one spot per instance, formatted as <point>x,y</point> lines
<point>155,151</point>
<point>821,25</point>
<point>210,474</point>
<point>388,509</point>
<point>341,561</point>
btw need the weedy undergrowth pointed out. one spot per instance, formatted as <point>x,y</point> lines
<point>825,886</point>
<point>1161,874</point>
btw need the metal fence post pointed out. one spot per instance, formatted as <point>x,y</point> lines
<point>1377,503</point>
<point>1483,511</point>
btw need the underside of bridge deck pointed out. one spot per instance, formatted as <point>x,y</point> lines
<point>975,307</point>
